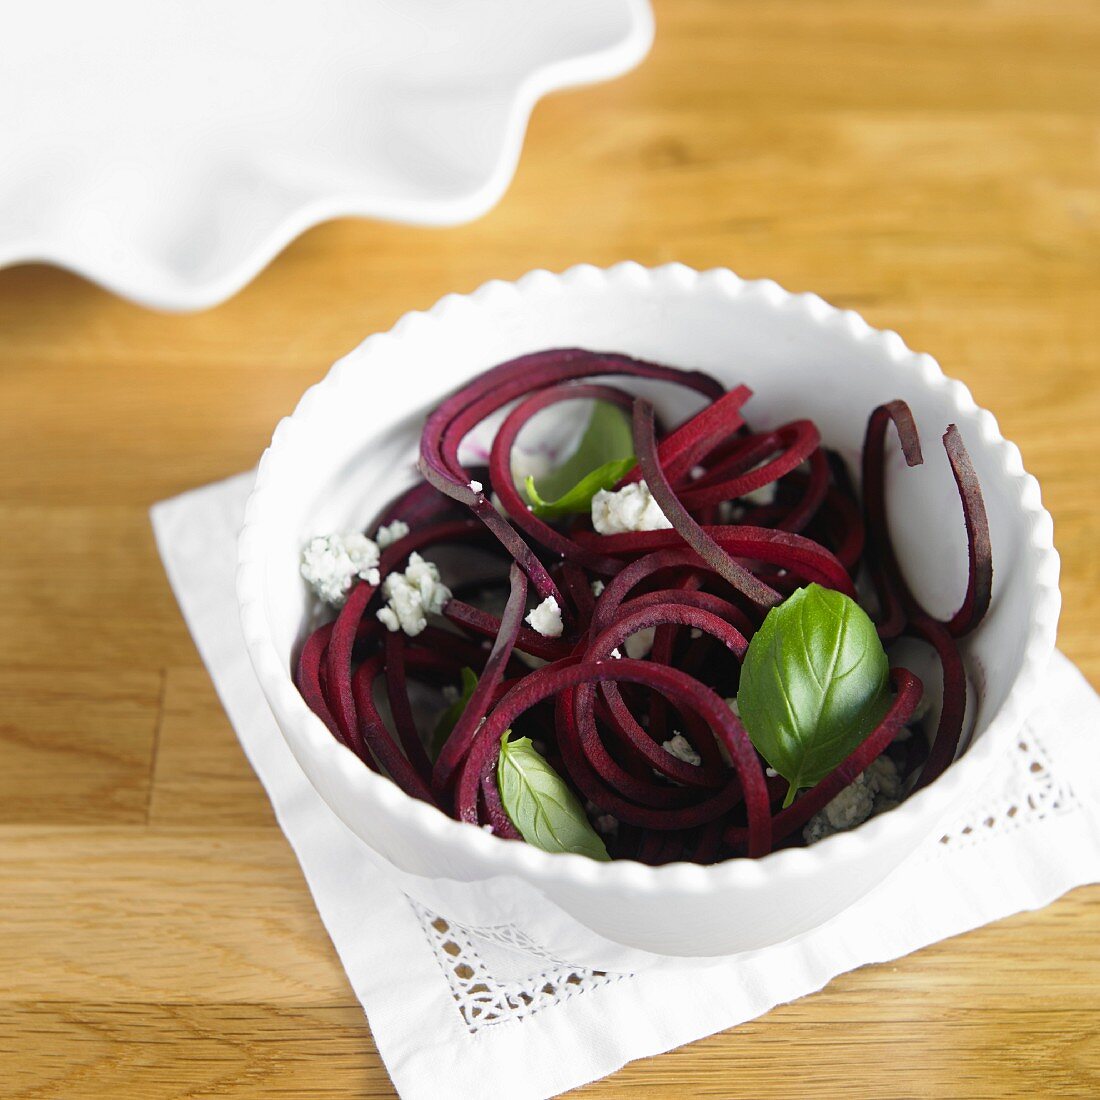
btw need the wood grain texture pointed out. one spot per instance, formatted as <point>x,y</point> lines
<point>934,165</point>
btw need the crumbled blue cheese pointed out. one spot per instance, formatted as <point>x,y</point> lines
<point>875,790</point>
<point>332,563</point>
<point>882,776</point>
<point>640,643</point>
<point>680,747</point>
<point>597,588</point>
<point>850,808</point>
<point>546,618</point>
<point>412,596</point>
<point>476,486</point>
<point>391,533</point>
<point>631,508</point>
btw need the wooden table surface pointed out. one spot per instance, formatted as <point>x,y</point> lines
<point>934,165</point>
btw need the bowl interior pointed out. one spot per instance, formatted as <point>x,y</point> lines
<point>819,364</point>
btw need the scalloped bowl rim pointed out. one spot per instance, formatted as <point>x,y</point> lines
<point>432,826</point>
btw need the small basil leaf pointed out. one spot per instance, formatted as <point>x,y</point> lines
<point>540,805</point>
<point>813,684</point>
<point>449,718</point>
<point>607,438</point>
<point>578,500</point>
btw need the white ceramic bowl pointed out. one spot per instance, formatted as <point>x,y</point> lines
<point>351,444</point>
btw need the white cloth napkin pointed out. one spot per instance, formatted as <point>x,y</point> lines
<point>462,1011</point>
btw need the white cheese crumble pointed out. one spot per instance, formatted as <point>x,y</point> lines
<point>331,564</point>
<point>873,791</point>
<point>413,595</point>
<point>476,486</point>
<point>597,587</point>
<point>546,618</point>
<point>882,775</point>
<point>680,747</point>
<point>640,643</point>
<point>391,533</point>
<point>631,508</point>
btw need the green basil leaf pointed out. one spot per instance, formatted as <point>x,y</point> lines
<point>540,805</point>
<point>813,684</point>
<point>449,718</point>
<point>607,440</point>
<point>578,500</point>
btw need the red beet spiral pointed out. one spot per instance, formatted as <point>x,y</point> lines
<point>701,586</point>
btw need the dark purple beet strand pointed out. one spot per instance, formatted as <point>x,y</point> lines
<point>598,714</point>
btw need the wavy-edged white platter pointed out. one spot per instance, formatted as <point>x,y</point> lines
<point>169,151</point>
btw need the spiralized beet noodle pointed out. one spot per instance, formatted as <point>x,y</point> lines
<point>703,587</point>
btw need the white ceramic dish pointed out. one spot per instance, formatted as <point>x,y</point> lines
<point>169,151</point>
<point>351,443</point>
